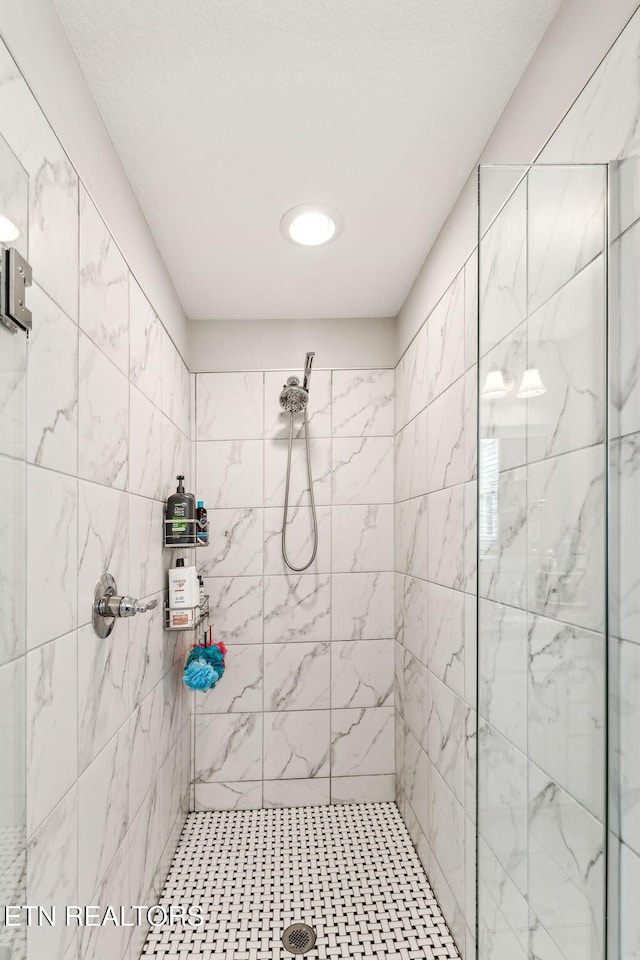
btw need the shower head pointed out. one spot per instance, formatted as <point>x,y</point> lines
<point>308,363</point>
<point>293,398</point>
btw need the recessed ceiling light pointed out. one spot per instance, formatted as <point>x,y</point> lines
<point>311,224</point>
<point>8,230</point>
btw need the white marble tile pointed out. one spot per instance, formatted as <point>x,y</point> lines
<point>229,406</point>
<point>145,449</point>
<point>417,775</point>
<point>625,716</point>
<point>362,606</point>
<point>145,345</point>
<point>13,394</point>
<point>103,689</point>
<point>102,943</point>
<point>229,796</point>
<point>277,420</point>
<point>148,653</point>
<point>502,573</point>
<point>566,342</point>
<point>362,673</point>
<point>104,286</point>
<point>401,393</point>
<point>52,876</point>
<point>503,913</point>
<point>235,607</point>
<point>624,357</point>
<point>502,802</point>
<point>52,398</point>
<point>566,869</point>
<point>470,544</point>
<point>144,851</point>
<point>502,272</point>
<point>471,311</point>
<point>416,378</point>
<point>630,891</point>
<point>176,386</point>
<point>362,470</point>
<point>446,835</point>
<point>297,793</point>
<point>471,424</point>
<point>416,699</point>
<point>447,722</point>
<point>235,544</point>
<point>297,676</point>
<point>13,516</point>
<point>296,745</point>
<point>445,438</point>
<point>53,213</point>
<point>103,541</point>
<point>52,531</point>
<point>275,472</point>
<point>566,705</point>
<point>502,667</point>
<point>603,121</point>
<point>52,739</point>
<point>299,539</point>
<point>229,473</point>
<point>240,688</point>
<point>176,458</point>
<point>297,608</point>
<point>144,733</point>
<point>103,418</point>
<point>374,789</point>
<point>362,741</point>
<point>445,636</point>
<point>503,420</point>
<point>362,538</point>
<point>470,649</point>
<point>103,813</point>
<point>445,339</point>
<point>228,748</point>
<point>624,195</point>
<point>411,537</point>
<point>445,536</point>
<point>362,403</point>
<point>566,225</point>
<point>565,570</point>
<point>411,458</point>
<point>415,626</point>
<point>14,195</point>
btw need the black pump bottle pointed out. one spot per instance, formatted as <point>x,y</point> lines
<point>181,513</point>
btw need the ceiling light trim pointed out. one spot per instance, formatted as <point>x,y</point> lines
<point>303,209</point>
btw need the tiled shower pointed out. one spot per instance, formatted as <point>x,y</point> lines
<point>479,670</point>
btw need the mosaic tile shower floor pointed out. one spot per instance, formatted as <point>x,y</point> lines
<point>349,871</point>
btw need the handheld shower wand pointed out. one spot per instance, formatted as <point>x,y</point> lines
<point>294,399</point>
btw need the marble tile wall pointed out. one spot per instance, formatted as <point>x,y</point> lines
<point>304,713</point>
<point>98,424</point>
<point>435,564</point>
<point>554,454</point>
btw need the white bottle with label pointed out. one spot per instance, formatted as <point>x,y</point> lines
<point>184,596</point>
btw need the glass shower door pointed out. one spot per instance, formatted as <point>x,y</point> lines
<point>542,591</point>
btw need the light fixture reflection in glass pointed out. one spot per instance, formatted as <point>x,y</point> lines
<point>531,384</point>
<point>8,230</point>
<point>495,386</point>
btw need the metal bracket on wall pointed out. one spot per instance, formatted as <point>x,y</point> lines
<point>15,277</point>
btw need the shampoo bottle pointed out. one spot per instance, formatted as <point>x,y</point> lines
<point>180,516</point>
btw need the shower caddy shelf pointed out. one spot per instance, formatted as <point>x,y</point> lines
<point>204,615</point>
<point>193,536</point>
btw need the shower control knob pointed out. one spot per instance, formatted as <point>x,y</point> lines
<point>108,606</point>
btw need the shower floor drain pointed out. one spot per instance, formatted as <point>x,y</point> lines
<point>299,938</point>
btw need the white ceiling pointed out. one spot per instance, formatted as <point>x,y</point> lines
<point>226,113</point>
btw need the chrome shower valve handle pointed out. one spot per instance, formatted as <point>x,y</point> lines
<point>109,606</point>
